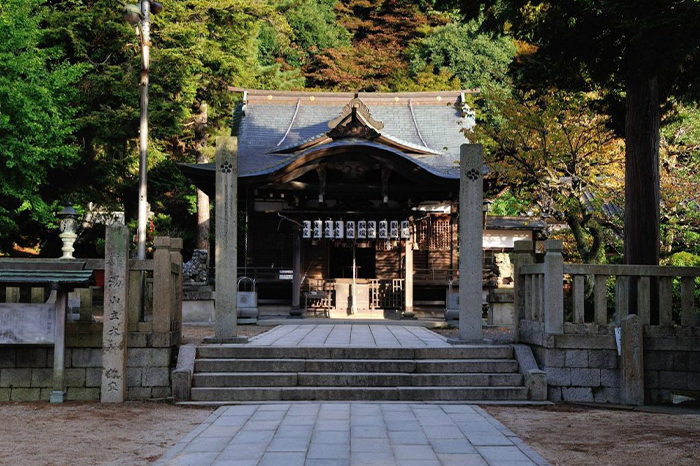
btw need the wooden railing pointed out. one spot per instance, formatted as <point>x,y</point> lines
<point>554,293</point>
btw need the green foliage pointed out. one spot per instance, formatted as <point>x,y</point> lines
<point>37,88</point>
<point>507,205</point>
<point>476,58</point>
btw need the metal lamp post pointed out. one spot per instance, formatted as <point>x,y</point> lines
<point>140,15</point>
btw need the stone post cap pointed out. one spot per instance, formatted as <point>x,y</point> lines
<point>523,246</point>
<point>161,242</point>
<point>176,243</point>
<point>466,149</point>
<point>631,319</point>
<point>553,245</point>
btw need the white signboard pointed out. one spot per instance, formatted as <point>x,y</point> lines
<point>27,323</point>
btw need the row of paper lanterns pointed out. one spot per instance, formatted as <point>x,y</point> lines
<point>351,229</point>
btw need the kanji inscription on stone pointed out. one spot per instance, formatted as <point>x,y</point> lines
<point>113,389</point>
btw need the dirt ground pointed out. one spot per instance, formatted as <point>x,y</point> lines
<point>583,436</point>
<point>137,433</point>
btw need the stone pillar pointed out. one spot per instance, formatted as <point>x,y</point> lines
<point>85,304</point>
<point>553,287</point>
<point>58,392</point>
<point>296,276</point>
<point>471,261</point>
<point>226,249</point>
<point>408,300</point>
<point>523,253</point>
<point>115,321</point>
<point>632,362</point>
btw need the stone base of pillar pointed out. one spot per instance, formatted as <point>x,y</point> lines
<point>408,315</point>
<point>57,396</point>
<point>296,312</point>
<point>224,341</point>
<point>452,315</point>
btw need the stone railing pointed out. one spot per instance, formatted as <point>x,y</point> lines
<point>609,333</point>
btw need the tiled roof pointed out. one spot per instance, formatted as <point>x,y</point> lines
<point>270,121</point>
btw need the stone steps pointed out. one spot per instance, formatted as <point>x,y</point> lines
<point>243,373</point>
<point>357,365</point>
<point>241,394</point>
<point>352,379</point>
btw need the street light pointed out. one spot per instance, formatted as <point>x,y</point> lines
<point>140,15</point>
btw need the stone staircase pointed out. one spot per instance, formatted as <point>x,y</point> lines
<point>273,373</point>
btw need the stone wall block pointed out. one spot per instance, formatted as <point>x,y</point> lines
<point>93,377</point>
<point>694,361</point>
<point>148,357</point>
<point>694,381</point>
<point>156,377</point>
<point>42,378</point>
<point>86,357</point>
<point>554,394</point>
<point>681,360</point>
<point>606,395</point>
<point>673,380</point>
<point>610,378</point>
<point>139,393</point>
<point>577,393</point>
<point>32,357</point>
<point>75,377</point>
<point>660,396</point>
<point>558,376</point>
<point>576,358</point>
<point>7,357</point>
<point>5,394</point>
<point>15,377</point>
<point>554,358</point>
<point>25,394</point>
<point>160,392</point>
<point>602,359</point>
<point>133,376</point>
<point>83,394</point>
<point>585,377</point>
<point>658,360</point>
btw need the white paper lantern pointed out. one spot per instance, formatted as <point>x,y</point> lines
<point>306,229</point>
<point>339,229</point>
<point>371,229</point>
<point>362,229</point>
<point>350,229</point>
<point>405,231</point>
<point>328,233</point>
<point>383,229</point>
<point>318,229</point>
<point>394,229</point>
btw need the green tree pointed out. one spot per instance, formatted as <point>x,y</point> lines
<point>557,155</point>
<point>37,89</point>
<point>639,52</point>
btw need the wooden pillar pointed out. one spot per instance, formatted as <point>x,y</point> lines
<point>408,300</point>
<point>296,277</point>
<point>58,393</point>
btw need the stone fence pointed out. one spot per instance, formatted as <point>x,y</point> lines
<point>580,321</point>
<point>152,336</point>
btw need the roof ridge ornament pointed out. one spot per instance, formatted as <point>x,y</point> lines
<point>355,120</point>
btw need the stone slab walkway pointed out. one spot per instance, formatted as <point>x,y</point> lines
<point>351,434</point>
<point>360,335</point>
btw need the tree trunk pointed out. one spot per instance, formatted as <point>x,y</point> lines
<point>642,170</point>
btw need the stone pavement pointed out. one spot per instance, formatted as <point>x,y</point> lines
<point>341,335</point>
<point>345,434</point>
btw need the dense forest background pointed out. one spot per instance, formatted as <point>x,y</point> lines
<point>556,147</point>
